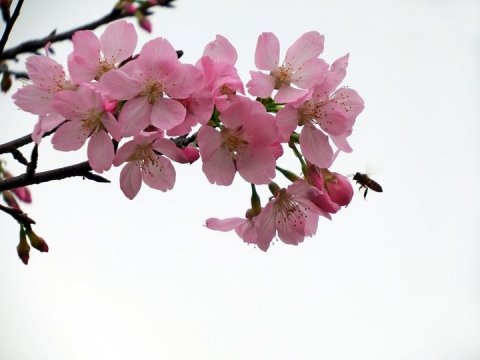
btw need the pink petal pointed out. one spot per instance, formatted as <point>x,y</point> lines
<point>116,84</point>
<point>70,136</point>
<point>118,41</point>
<point>221,50</point>
<point>112,125</point>
<point>160,175</point>
<point>158,58</point>
<point>183,81</point>
<point>261,128</point>
<point>131,180</point>
<point>135,116</point>
<point>315,146</point>
<point>169,149</point>
<point>288,94</point>
<point>84,61</point>
<point>306,47</point>
<point>209,141</point>
<point>44,71</point>
<point>341,142</point>
<point>310,74</point>
<point>267,52</point>
<point>219,168</point>
<point>261,84</point>
<point>124,152</point>
<point>33,99</point>
<point>167,113</point>
<point>100,151</point>
<point>224,224</point>
<point>335,75</point>
<point>287,121</point>
<point>45,124</point>
<point>256,165</point>
<point>265,227</point>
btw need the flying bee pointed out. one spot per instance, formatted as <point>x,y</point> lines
<point>367,183</point>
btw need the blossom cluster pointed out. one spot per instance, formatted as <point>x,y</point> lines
<point>143,111</point>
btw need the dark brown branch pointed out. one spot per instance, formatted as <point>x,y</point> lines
<point>17,214</point>
<point>21,141</point>
<point>33,45</point>
<point>80,169</point>
<point>9,26</point>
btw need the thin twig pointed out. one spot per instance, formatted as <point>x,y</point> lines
<point>9,27</point>
<point>80,169</point>
<point>33,45</point>
<point>17,214</point>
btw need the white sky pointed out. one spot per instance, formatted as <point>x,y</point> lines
<point>393,277</point>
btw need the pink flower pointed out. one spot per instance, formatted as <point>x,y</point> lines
<point>323,114</point>
<point>301,67</point>
<point>48,78</point>
<point>145,163</point>
<point>291,214</point>
<point>221,77</point>
<point>247,142</point>
<point>93,57</point>
<point>144,82</point>
<point>87,119</point>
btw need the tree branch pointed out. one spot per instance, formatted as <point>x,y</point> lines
<point>80,169</point>
<point>17,214</point>
<point>33,45</point>
<point>9,26</point>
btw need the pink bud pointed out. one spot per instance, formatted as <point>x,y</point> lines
<point>339,188</point>
<point>146,25</point>
<point>191,153</point>
<point>110,105</point>
<point>129,8</point>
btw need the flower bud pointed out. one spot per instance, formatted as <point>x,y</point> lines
<point>339,189</point>
<point>36,241</point>
<point>129,8</point>
<point>110,105</point>
<point>191,153</point>
<point>145,24</point>
<point>23,249</point>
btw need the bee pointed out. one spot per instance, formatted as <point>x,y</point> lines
<point>367,183</point>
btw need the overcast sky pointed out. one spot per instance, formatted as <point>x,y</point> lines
<point>394,277</point>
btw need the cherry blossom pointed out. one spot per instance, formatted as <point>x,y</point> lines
<point>246,143</point>
<point>145,163</point>
<point>87,119</point>
<point>291,214</point>
<point>145,81</point>
<point>323,113</point>
<point>301,67</point>
<point>92,57</point>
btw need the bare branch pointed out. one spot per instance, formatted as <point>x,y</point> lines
<point>17,214</point>
<point>80,169</point>
<point>9,27</point>
<point>33,45</point>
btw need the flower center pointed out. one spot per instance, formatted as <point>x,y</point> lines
<point>103,67</point>
<point>233,140</point>
<point>92,121</point>
<point>282,75</point>
<point>152,89</point>
<point>289,210</point>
